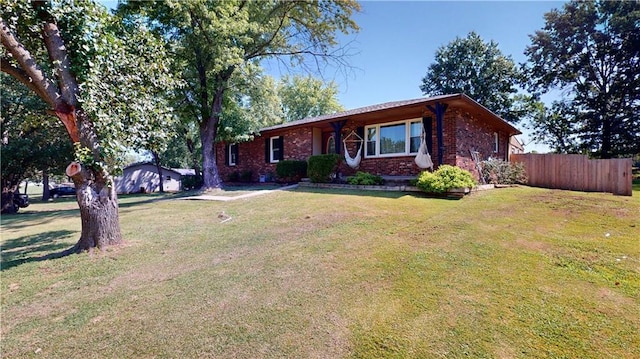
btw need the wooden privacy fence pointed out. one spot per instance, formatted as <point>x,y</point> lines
<point>577,172</point>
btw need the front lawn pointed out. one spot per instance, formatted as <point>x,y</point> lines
<point>506,273</point>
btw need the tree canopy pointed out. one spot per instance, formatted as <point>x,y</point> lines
<point>32,141</point>
<point>306,96</point>
<point>478,69</point>
<point>104,79</point>
<point>590,52</point>
<point>219,43</point>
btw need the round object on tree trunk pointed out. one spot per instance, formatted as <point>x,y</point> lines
<point>73,169</point>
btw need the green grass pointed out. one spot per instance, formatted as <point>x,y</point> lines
<point>508,273</point>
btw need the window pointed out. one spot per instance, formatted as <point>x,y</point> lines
<point>416,135</point>
<point>276,151</point>
<point>495,143</point>
<point>398,138</point>
<point>232,154</point>
<point>371,141</point>
<point>273,149</point>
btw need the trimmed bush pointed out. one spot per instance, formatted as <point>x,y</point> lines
<point>445,178</point>
<point>233,176</point>
<point>191,182</point>
<point>503,172</point>
<point>291,170</point>
<point>246,176</point>
<point>366,179</point>
<point>322,168</point>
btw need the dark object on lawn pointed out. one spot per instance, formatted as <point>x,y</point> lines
<point>62,191</point>
<point>12,201</point>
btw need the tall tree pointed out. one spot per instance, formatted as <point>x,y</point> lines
<point>590,50</point>
<point>31,141</point>
<point>307,96</point>
<point>554,126</point>
<point>478,69</point>
<point>101,78</point>
<point>216,39</point>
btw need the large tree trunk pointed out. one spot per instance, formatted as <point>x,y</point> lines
<point>210,176</point>
<point>45,186</point>
<point>605,149</point>
<point>99,215</point>
<point>98,204</point>
<point>156,160</point>
<point>96,196</point>
<point>208,132</point>
<point>95,192</point>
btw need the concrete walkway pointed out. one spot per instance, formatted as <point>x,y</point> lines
<point>242,196</point>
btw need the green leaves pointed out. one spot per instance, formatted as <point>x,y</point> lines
<point>304,97</point>
<point>591,52</point>
<point>445,178</point>
<point>478,69</point>
<point>121,68</point>
<point>218,46</point>
<point>32,141</point>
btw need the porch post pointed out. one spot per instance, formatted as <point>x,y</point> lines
<point>439,111</point>
<point>337,134</point>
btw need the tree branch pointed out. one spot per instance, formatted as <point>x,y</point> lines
<point>29,66</point>
<point>266,43</point>
<point>58,54</point>
<point>21,76</point>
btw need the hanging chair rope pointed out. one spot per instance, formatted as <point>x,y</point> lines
<point>353,162</point>
<point>423,159</point>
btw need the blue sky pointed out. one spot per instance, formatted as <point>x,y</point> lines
<point>398,39</point>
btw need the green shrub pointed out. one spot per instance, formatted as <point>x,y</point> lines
<point>233,176</point>
<point>366,179</point>
<point>322,168</point>
<point>446,177</point>
<point>291,170</point>
<point>191,182</point>
<point>503,172</point>
<point>246,176</point>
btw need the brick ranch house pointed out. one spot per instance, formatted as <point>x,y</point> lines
<point>454,126</point>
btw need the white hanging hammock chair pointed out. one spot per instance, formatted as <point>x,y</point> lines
<point>353,162</point>
<point>423,159</point>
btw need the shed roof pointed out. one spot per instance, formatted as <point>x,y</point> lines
<point>459,99</point>
<point>180,171</point>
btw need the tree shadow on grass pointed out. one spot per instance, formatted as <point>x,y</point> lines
<point>24,218</point>
<point>19,251</point>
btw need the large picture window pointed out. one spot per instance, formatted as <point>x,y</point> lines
<point>393,139</point>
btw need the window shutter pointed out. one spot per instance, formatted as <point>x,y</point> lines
<point>427,123</point>
<point>360,132</point>
<point>267,150</point>
<point>226,154</point>
<point>280,142</point>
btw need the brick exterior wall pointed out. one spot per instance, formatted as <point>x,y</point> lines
<point>474,135</point>
<point>251,155</point>
<point>462,132</point>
